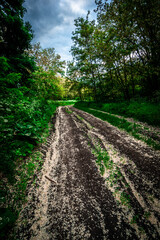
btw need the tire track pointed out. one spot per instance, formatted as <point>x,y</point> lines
<point>140,187</point>
<point>72,199</point>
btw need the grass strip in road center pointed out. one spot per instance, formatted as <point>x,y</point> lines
<point>122,123</point>
<point>137,216</point>
<point>112,174</point>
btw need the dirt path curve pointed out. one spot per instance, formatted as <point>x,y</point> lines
<point>73,201</point>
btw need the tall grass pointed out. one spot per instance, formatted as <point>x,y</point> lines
<point>121,123</point>
<point>140,110</point>
<point>65,102</point>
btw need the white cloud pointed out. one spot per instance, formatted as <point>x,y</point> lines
<point>76,7</point>
<point>53,22</point>
<point>68,20</point>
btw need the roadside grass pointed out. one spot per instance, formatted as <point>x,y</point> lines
<point>131,128</point>
<point>25,173</point>
<point>140,110</point>
<point>65,102</point>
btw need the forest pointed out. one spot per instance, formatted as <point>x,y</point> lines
<point>116,57</point>
<point>115,68</point>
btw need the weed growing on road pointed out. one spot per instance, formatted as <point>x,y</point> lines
<point>103,159</point>
<point>147,215</point>
<point>120,189</point>
<point>68,111</point>
<point>134,219</point>
<point>80,118</point>
<point>125,199</point>
<point>113,175</point>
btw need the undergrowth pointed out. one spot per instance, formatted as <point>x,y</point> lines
<point>24,128</point>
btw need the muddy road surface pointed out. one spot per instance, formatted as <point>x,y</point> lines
<point>97,182</point>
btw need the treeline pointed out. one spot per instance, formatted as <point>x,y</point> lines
<point>118,55</point>
<point>30,77</point>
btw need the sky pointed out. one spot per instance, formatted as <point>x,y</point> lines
<point>53,22</point>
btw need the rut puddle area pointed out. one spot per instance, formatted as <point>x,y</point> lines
<point>97,182</point>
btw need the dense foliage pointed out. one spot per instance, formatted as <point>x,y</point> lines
<point>29,78</point>
<point>117,57</point>
<point>48,75</point>
<point>29,81</point>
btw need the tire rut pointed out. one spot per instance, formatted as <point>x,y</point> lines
<point>136,150</point>
<point>72,199</point>
<point>141,189</point>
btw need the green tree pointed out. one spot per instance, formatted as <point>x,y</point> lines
<point>15,37</point>
<point>47,58</point>
<point>83,52</point>
<point>75,85</point>
<point>136,27</point>
<point>49,73</point>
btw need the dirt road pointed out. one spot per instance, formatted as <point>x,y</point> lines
<point>72,200</point>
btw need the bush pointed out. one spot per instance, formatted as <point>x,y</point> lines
<point>23,120</point>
